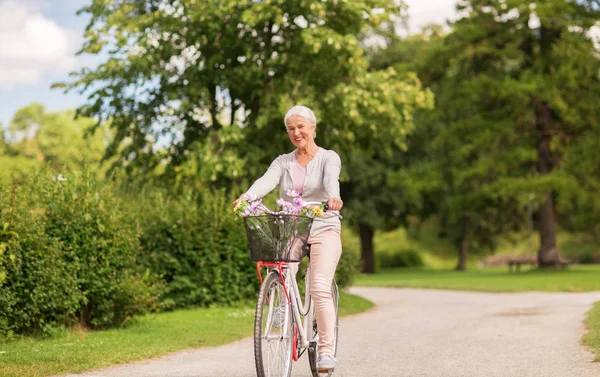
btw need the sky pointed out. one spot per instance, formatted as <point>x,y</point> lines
<point>39,39</point>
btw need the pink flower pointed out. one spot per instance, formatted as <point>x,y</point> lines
<point>292,193</point>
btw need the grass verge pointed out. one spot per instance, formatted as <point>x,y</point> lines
<point>149,336</point>
<point>577,278</point>
<point>592,338</point>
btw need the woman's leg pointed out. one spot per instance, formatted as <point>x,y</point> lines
<point>325,252</point>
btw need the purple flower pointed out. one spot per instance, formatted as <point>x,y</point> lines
<point>292,193</point>
<point>298,201</point>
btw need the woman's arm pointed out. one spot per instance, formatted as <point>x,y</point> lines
<point>331,175</point>
<point>268,181</point>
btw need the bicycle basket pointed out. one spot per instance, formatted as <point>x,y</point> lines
<point>277,238</point>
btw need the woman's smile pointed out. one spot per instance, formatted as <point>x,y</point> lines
<point>300,131</point>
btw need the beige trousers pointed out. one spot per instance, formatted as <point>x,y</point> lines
<point>325,252</point>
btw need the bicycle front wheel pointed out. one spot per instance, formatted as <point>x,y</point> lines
<point>313,349</point>
<point>273,330</point>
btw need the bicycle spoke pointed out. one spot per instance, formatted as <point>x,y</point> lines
<point>275,338</point>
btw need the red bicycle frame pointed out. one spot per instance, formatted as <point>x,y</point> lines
<point>280,266</point>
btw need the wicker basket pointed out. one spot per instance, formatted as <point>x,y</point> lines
<point>277,238</point>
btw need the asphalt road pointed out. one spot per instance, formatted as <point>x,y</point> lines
<point>418,333</point>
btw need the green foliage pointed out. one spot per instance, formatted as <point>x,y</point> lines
<point>516,90</point>
<point>38,139</point>
<point>347,268</point>
<point>39,288</point>
<point>69,255</point>
<point>579,200</point>
<point>193,242</point>
<point>186,70</point>
<point>101,246</point>
<point>401,258</point>
<point>592,337</point>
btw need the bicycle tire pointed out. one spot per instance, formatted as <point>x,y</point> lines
<point>313,349</point>
<point>272,289</point>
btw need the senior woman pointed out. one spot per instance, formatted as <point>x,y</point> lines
<point>314,173</point>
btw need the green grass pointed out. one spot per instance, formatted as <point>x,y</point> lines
<point>353,304</point>
<point>576,278</point>
<point>592,338</point>
<point>149,336</point>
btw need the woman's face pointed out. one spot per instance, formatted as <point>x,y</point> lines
<point>300,131</point>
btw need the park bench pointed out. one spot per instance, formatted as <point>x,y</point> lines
<point>516,262</point>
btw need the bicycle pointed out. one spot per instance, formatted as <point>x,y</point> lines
<point>284,324</point>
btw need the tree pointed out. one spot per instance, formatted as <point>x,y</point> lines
<point>37,138</point>
<point>579,201</point>
<point>497,78</point>
<point>541,72</point>
<point>206,77</point>
<point>185,70</point>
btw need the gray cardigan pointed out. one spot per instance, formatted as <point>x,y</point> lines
<point>321,184</point>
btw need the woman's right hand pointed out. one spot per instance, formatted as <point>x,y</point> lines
<point>242,198</point>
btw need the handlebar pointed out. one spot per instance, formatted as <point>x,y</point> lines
<point>324,204</point>
<point>266,209</point>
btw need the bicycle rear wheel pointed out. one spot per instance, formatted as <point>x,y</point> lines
<point>313,349</point>
<point>273,334</point>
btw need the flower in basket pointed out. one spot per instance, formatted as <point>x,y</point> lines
<point>317,211</point>
<point>299,207</point>
<point>250,207</point>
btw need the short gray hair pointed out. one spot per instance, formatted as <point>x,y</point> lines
<point>303,111</point>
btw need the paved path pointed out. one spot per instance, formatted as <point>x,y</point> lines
<point>418,333</point>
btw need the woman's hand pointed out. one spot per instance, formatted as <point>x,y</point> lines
<point>335,204</point>
<point>242,198</point>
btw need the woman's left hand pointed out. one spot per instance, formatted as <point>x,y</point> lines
<point>335,204</point>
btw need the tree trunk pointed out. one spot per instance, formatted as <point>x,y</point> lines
<point>366,233</point>
<point>548,253</point>
<point>463,247</point>
<point>463,252</point>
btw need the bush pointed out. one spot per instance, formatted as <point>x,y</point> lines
<point>402,258</point>
<point>347,268</point>
<point>101,246</point>
<point>193,242</point>
<point>68,255</point>
<point>39,289</point>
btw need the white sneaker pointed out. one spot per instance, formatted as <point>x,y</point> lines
<point>325,363</point>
